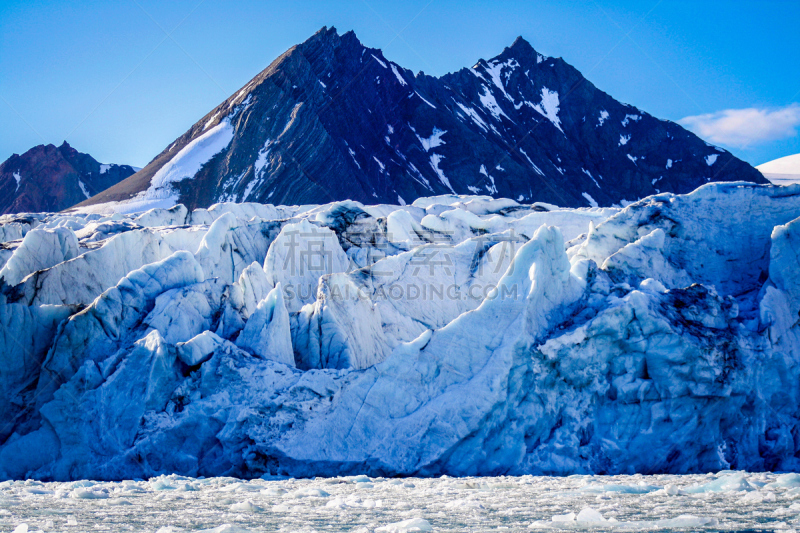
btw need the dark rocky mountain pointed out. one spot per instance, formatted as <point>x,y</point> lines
<point>50,178</point>
<point>331,119</point>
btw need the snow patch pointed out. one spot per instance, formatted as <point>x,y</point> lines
<point>184,165</point>
<point>424,100</point>
<point>592,177</point>
<point>489,102</point>
<point>353,155</point>
<point>84,190</point>
<point>536,168</point>
<point>476,118</point>
<point>548,107</point>
<point>261,160</point>
<point>435,160</point>
<point>434,140</point>
<point>628,118</point>
<point>379,61</point>
<point>592,201</point>
<point>398,76</point>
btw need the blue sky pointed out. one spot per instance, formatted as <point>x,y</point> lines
<point>122,79</point>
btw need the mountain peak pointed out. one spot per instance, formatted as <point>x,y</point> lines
<point>520,44</point>
<point>338,121</point>
<point>52,178</point>
<point>521,50</point>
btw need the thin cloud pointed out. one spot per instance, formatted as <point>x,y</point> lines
<point>744,127</point>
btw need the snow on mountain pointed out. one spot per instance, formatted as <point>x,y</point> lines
<point>49,178</point>
<point>331,120</point>
<point>783,171</point>
<point>459,335</point>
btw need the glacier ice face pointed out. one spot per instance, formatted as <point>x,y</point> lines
<point>40,249</point>
<point>267,332</point>
<point>457,335</point>
<point>299,255</point>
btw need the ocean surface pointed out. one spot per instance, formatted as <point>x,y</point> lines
<point>726,501</point>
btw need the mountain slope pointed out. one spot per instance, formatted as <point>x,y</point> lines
<point>331,119</point>
<point>49,178</point>
<point>783,171</point>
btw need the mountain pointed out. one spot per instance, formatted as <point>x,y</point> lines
<point>783,171</point>
<point>50,178</point>
<point>331,119</point>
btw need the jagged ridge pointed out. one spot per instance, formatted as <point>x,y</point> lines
<point>331,119</point>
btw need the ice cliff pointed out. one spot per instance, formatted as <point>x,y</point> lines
<point>458,335</point>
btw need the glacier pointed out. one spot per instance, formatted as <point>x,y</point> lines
<point>458,335</point>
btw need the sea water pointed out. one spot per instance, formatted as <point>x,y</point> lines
<point>723,501</point>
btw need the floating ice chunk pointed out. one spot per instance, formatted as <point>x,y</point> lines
<point>412,525</point>
<point>726,483</point>
<point>758,496</point>
<point>642,488</point>
<point>785,481</point>
<point>672,490</point>
<point>247,507</point>
<point>88,494</point>
<point>309,492</point>
<point>464,504</point>
<point>225,528</point>
<point>589,515</point>
<point>680,522</point>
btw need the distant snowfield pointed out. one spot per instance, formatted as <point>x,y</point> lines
<point>173,504</point>
<point>783,171</point>
<point>456,335</point>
